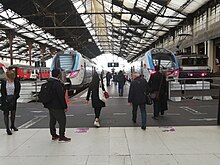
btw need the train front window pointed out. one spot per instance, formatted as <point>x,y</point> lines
<point>1,70</point>
<point>164,59</point>
<point>195,61</point>
<point>201,61</point>
<point>66,62</point>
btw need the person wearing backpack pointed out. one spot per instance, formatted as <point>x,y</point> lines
<point>57,106</point>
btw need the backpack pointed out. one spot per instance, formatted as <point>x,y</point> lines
<point>46,93</point>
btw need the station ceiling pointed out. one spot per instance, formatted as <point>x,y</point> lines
<point>125,28</point>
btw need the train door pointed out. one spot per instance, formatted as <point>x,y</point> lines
<point>85,74</point>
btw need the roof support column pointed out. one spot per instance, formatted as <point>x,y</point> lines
<point>10,34</point>
<point>52,51</point>
<point>194,49</point>
<point>29,42</point>
<point>210,54</point>
<point>42,48</point>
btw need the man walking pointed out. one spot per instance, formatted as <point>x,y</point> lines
<point>137,97</point>
<point>57,107</point>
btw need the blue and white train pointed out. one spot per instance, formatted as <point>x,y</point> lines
<point>77,70</point>
<point>162,57</point>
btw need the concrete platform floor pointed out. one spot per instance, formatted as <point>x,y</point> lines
<point>198,145</point>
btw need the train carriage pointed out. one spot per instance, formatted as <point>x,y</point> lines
<point>162,57</point>
<point>2,71</point>
<point>77,70</point>
<point>25,72</point>
<point>194,67</point>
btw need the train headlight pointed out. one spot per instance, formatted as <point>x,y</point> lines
<point>153,71</point>
<point>74,73</point>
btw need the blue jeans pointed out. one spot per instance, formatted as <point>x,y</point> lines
<point>143,113</point>
<point>120,88</point>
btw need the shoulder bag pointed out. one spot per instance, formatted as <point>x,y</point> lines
<point>103,95</point>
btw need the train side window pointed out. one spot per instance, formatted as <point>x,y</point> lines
<point>25,71</point>
<point>33,71</point>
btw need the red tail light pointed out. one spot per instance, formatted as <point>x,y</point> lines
<point>176,72</point>
<point>190,74</point>
<point>203,74</point>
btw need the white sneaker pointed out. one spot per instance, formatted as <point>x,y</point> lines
<point>96,124</point>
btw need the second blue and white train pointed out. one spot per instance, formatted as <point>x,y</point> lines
<point>162,57</point>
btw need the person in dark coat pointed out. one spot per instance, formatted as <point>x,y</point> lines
<point>57,107</point>
<point>10,88</point>
<point>158,84</point>
<point>97,104</point>
<point>108,78</point>
<point>121,82</point>
<point>139,88</point>
<point>115,77</point>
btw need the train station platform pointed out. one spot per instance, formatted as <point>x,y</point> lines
<point>186,135</point>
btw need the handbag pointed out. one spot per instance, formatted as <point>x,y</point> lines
<point>106,94</point>
<point>148,99</point>
<point>101,95</point>
<point>155,95</point>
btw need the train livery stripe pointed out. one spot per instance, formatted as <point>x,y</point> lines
<point>150,60</point>
<point>76,62</point>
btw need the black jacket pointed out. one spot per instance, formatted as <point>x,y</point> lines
<point>4,92</point>
<point>138,90</point>
<point>94,88</point>
<point>158,82</point>
<point>121,78</point>
<point>58,91</point>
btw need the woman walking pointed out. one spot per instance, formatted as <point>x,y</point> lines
<point>97,104</point>
<point>10,89</point>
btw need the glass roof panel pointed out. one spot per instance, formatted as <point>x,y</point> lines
<point>136,18</point>
<point>145,21</point>
<point>194,5</point>
<point>116,8</point>
<point>19,21</point>
<point>142,4</point>
<point>161,20</point>
<point>126,17</point>
<point>129,3</point>
<point>155,8</point>
<point>160,33</point>
<point>140,31</point>
<point>9,24</point>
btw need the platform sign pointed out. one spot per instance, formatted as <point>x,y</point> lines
<point>113,64</point>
